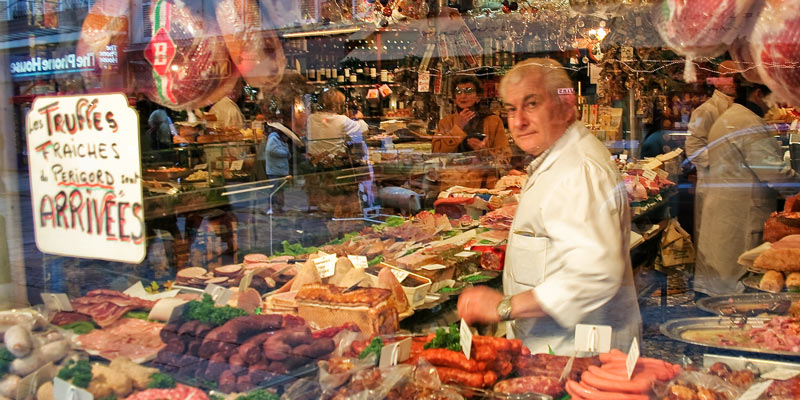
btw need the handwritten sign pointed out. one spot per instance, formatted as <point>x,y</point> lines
<point>465,338</point>
<point>359,262</point>
<point>85,173</point>
<point>649,174</point>
<point>394,353</point>
<point>326,265</point>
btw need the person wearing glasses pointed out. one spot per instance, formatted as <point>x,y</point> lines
<point>468,129</point>
<point>567,260</point>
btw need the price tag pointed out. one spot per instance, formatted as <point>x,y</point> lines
<point>247,279</point>
<point>176,313</point>
<point>395,353</point>
<point>373,94</point>
<point>623,157</point>
<point>465,254</point>
<point>433,267</point>
<point>326,265</point>
<point>201,166</point>
<point>56,301</point>
<point>400,274</point>
<point>27,386</point>
<point>592,338</point>
<point>756,390</point>
<point>626,53</point>
<point>63,390</point>
<point>219,294</point>
<point>424,82</point>
<point>633,357</point>
<point>466,338</point>
<point>385,90</point>
<point>638,21</point>
<point>594,74</point>
<point>649,174</point>
<point>781,374</point>
<point>237,165</point>
<point>793,126</point>
<point>359,262</point>
<point>662,174</point>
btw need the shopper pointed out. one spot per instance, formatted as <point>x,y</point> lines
<point>747,172</point>
<point>468,129</point>
<point>330,131</point>
<point>567,260</point>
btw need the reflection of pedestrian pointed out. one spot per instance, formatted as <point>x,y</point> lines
<point>746,163</point>
<point>159,136</point>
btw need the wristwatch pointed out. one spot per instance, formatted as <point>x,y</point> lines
<point>504,309</point>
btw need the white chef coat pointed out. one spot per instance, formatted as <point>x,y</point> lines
<point>327,132</point>
<point>569,244</point>
<point>747,170</point>
<point>700,123</point>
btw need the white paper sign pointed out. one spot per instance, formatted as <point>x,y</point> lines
<point>326,265</point>
<point>201,166</point>
<point>137,290</point>
<point>247,279</point>
<point>433,267</point>
<point>85,176</point>
<point>593,338</point>
<point>27,386</point>
<point>359,262</point>
<point>633,357</point>
<point>793,126</point>
<point>395,353</point>
<point>466,338</point>
<point>400,274</point>
<point>649,174</point>
<point>237,165</point>
<point>424,82</point>
<point>177,312</point>
<point>56,301</point>
<point>465,254</point>
<point>219,294</point>
<point>780,374</point>
<point>756,390</point>
<point>662,174</point>
<point>623,157</point>
<point>63,390</point>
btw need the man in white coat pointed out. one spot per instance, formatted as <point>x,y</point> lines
<point>567,259</point>
<point>747,174</point>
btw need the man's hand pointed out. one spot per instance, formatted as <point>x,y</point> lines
<point>476,144</point>
<point>463,118</point>
<point>479,305</point>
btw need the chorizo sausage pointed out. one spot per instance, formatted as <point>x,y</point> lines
<point>452,359</point>
<point>461,377</point>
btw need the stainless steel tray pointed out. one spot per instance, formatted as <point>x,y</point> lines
<point>674,329</point>
<point>715,304</point>
<point>740,363</point>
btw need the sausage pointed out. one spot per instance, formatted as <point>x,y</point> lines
<point>227,382</point>
<point>502,367</point>
<point>8,386</point>
<point>250,350</point>
<point>193,348</point>
<point>321,348</point>
<point>641,383</point>
<point>594,394</point>
<point>489,378</point>
<point>202,330</point>
<point>277,367</point>
<point>188,365</point>
<point>216,366</point>
<point>54,351</point>
<point>236,360</point>
<point>237,330</point>
<point>452,359</point>
<point>275,349</point>
<point>461,377</point>
<point>25,366</point>
<point>169,331</point>
<point>297,336</point>
<point>186,331</point>
<point>19,341</point>
<point>484,353</point>
<point>245,383</point>
<point>175,345</point>
<point>499,344</point>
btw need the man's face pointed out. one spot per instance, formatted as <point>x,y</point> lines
<point>466,95</point>
<point>535,118</point>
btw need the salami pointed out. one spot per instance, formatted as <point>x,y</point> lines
<point>530,384</point>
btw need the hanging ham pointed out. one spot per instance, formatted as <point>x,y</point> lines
<point>775,46</point>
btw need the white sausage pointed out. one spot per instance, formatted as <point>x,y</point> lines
<point>25,366</point>
<point>8,386</point>
<point>19,341</point>
<point>55,351</point>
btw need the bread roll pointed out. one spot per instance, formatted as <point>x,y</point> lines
<point>786,260</point>
<point>793,281</point>
<point>772,281</point>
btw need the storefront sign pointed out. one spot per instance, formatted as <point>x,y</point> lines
<point>25,66</point>
<point>85,170</point>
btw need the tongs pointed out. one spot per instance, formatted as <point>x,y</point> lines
<point>739,318</point>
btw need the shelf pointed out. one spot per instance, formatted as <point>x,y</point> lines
<point>357,85</point>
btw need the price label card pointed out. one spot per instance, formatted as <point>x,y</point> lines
<point>623,157</point>
<point>662,174</point>
<point>219,294</point>
<point>56,301</point>
<point>359,262</point>
<point>385,90</point>
<point>395,353</point>
<point>326,265</point>
<point>424,82</point>
<point>27,386</point>
<point>466,338</point>
<point>400,274</point>
<point>465,254</point>
<point>649,174</point>
<point>176,313</point>
<point>63,390</point>
<point>237,165</point>
<point>793,126</point>
<point>633,357</point>
<point>781,374</point>
<point>756,390</point>
<point>433,267</point>
<point>593,338</point>
<point>201,166</point>
<point>626,53</point>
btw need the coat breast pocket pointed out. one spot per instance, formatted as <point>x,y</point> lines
<point>528,256</point>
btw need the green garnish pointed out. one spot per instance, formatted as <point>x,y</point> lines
<point>161,381</point>
<point>446,339</point>
<point>257,311</point>
<point>137,315</point>
<point>259,395</point>
<point>374,346</point>
<point>295,249</point>
<point>345,238</point>
<point>80,327</point>
<point>5,360</point>
<point>475,278</point>
<point>152,288</point>
<point>449,234</point>
<point>485,241</point>
<point>80,373</point>
<point>375,261</point>
<point>215,397</point>
<point>411,251</point>
<point>205,311</point>
<point>550,350</point>
<point>447,289</point>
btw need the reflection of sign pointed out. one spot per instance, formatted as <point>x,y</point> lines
<point>160,52</point>
<point>85,170</point>
<point>34,66</point>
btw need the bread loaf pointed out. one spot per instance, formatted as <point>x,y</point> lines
<point>327,306</point>
<point>772,281</point>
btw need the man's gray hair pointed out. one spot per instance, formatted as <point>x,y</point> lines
<point>554,76</point>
